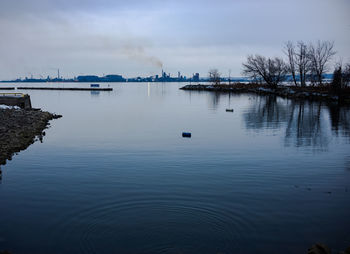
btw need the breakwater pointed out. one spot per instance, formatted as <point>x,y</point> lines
<point>16,99</point>
<point>66,88</point>
<point>21,128</point>
<point>312,93</point>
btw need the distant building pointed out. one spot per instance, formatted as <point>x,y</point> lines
<point>196,77</point>
<point>88,78</point>
<point>165,77</point>
<point>107,78</point>
<point>113,78</point>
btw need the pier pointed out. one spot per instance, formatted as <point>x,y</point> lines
<point>66,88</point>
<point>16,99</point>
<point>7,88</point>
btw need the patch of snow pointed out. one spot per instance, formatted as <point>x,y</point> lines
<point>8,107</point>
<point>264,89</point>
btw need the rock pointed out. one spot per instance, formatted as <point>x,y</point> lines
<point>5,252</point>
<point>19,129</point>
<point>347,251</point>
<point>319,248</point>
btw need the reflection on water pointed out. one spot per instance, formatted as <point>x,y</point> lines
<point>214,100</point>
<point>114,174</point>
<point>304,123</point>
<point>340,119</point>
<point>265,113</point>
<point>95,93</point>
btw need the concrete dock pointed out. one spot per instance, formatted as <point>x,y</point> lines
<point>16,99</point>
<point>65,88</point>
<point>7,88</point>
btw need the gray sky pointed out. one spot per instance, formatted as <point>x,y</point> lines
<point>139,37</point>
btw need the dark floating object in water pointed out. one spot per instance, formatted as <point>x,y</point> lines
<point>186,134</point>
<point>229,110</point>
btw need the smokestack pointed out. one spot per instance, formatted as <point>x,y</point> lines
<point>58,73</point>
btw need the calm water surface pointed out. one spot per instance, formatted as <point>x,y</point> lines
<point>114,174</point>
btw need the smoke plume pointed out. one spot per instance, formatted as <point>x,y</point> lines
<point>138,53</point>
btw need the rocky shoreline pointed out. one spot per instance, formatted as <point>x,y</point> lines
<point>20,128</point>
<point>311,93</point>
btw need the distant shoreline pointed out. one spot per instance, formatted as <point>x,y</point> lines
<point>106,81</point>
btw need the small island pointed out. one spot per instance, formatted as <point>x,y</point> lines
<point>303,75</point>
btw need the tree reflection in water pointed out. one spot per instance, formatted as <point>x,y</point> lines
<point>266,113</point>
<point>305,123</point>
<point>340,120</point>
<point>214,100</point>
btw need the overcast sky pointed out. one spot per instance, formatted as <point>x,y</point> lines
<point>142,37</point>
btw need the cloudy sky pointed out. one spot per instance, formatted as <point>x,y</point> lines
<point>137,37</point>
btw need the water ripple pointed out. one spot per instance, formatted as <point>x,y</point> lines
<point>153,223</point>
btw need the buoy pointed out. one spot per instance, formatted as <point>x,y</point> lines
<point>229,110</point>
<point>186,134</point>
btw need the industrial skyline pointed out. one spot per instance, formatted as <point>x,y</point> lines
<point>163,77</point>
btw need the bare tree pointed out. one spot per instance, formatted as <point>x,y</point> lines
<point>214,76</point>
<point>272,71</point>
<point>319,56</point>
<point>346,75</point>
<point>289,50</point>
<point>298,61</point>
<point>302,61</point>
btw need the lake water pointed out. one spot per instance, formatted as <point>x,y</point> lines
<point>114,175</point>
